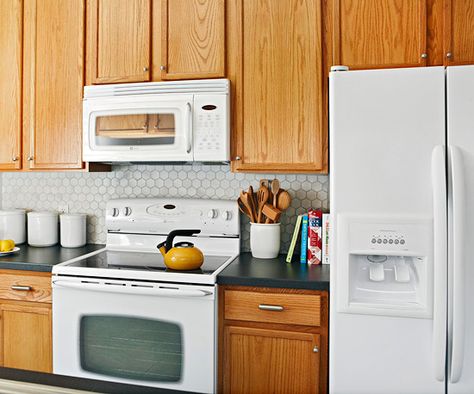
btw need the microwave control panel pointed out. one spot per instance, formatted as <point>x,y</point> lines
<point>211,127</point>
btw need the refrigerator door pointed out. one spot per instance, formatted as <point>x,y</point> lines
<point>460,120</point>
<point>387,178</point>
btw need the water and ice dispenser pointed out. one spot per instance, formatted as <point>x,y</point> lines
<point>385,265</point>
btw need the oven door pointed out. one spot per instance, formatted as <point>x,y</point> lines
<point>137,128</point>
<point>151,334</point>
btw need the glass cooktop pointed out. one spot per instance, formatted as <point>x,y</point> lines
<point>137,261</point>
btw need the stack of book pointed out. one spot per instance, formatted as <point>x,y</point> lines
<point>312,232</point>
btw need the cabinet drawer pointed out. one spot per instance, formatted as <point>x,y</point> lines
<point>301,309</point>
<point>25,287</point>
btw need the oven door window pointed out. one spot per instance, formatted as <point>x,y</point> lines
<point>135,129</point>
<point>131,348</point>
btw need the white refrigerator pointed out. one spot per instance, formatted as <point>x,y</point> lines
<point>402,241</point>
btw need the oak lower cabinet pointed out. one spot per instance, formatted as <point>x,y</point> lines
<point>272,340</point>
<point>275,64</point>
<point>25,320</point>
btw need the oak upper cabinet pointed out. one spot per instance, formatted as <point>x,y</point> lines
<point>53,82</point>
<point>272,340</point>
<point>459,32</point>
<point>274,61</point>
<point>193,39</point>
<point>25,320</point>
<point>118,41</point>
<point>379,33</point>
<point>11,17</point>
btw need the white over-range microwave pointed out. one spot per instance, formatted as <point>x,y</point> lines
<point>177,121</point>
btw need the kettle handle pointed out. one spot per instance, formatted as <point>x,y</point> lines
<point>169,239</point>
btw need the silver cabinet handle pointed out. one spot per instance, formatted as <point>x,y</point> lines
<point>449,55</point>
<point>145,69</point>
<point>424,55</point>
<point>29,158</point>
<point>237,157</point>
<point>21,288</point>
<point>315,349</point>
<point>163,68</point>
<point>15,158</point>
<point>274,308</point>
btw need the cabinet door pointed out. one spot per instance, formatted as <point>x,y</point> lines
<point>270,361</point>
<point>53,82</point>
<point>275,65</point>
<point>118,41</point>
<point>459,27</point>
<point>10,83</point>
<point>193,39</point>
<point>379,33</point>
<point>26,335</point>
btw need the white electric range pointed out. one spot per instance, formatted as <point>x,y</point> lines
<point>119,314</point>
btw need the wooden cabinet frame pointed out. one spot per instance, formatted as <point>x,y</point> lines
<point>317,334</point>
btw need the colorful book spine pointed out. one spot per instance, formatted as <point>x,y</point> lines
<point>296,232</point>
<point>326,230</point>
<point>315,236</point>
<point>304,238</point>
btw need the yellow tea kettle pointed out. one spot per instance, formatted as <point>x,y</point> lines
<point>182,256</point>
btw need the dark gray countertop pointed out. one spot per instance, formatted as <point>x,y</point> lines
<point>248,271</point>
<point>30,258</point>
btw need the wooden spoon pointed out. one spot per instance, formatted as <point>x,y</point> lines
<point>275,191</point>
<point>284,200</point>
<point>246,201</point>
<point>253,202</point>
<point>243,208</point>
<point>262,198</point>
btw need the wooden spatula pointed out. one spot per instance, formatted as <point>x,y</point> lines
<point>262,198</point>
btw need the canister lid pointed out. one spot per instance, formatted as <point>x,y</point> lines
<point>12,212</point>
<point>41,214</point>
<point>72,216</point>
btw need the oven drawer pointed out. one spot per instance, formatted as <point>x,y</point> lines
<point>25,286</point>
<point>284,308</point>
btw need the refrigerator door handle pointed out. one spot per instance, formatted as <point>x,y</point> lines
<point>458,201</point>
<point>438,179</point>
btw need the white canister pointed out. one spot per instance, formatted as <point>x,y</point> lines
<point>73,230</point>
<point>42,228</point>
<point>13,225</point>
<point>265,240</point>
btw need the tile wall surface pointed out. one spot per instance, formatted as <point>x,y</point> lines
<point>89,192</point>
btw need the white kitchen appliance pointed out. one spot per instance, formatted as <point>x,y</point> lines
<point>119,314</point>
<point>401,165</point>
<point>157,122</point>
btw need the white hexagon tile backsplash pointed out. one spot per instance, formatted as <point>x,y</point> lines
<point>89,192</point>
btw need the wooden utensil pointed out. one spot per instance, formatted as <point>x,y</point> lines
<point>267,184</point>
<point>272,213</point>
<point>247,201</point>
<point>283,200</point>
<point>243,208</point>
<point>262,198</point>
<point>275,191</point>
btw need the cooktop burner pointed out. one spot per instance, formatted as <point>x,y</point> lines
<point>137,261</point>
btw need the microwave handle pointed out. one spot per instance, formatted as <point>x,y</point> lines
<point>190,127</point>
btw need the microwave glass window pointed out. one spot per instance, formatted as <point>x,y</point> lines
<point>128,130</point>
<point>131,348</point>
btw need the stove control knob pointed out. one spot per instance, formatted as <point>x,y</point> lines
<point>226,215</point>
<point>127,211</point>
<point>114,212</point>
<point>212,214</point>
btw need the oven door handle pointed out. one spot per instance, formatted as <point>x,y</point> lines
<point>132,289</point>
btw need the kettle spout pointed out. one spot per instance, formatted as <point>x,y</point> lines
<point>162,248</point>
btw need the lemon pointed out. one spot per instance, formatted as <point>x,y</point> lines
<point>6,245</point>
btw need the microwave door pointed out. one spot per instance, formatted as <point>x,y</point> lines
<point>157,129</point>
